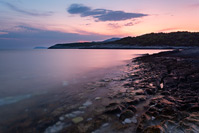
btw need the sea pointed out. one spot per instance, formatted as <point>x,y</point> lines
<point>31,77</point>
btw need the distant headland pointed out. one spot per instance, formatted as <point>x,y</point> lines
<point>152,40</point>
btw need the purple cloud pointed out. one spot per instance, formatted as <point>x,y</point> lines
<point>102,14</point>
<point>26,12</point>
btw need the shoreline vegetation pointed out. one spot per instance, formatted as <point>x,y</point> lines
<point>173,40</point>
<point>155,93</point>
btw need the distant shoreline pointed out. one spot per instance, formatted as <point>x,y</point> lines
<point>173,40</point>
<point>132,47</point>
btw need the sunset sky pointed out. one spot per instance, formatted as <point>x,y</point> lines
<point>30,23</point>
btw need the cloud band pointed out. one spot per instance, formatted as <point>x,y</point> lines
<point>102,14</point>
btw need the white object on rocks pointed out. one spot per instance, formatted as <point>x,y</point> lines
<point>98,98</point>
<point>152,118</point>
<point>55,128</point>
<point>161,85</point>
<point>130,120</point>
<point>134,120</point>
<point>105,124</point>
<point>74,114</point>
<point>127,121</point>
<point>61,118</point>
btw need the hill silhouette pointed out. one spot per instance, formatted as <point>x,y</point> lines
<point>159,40</point>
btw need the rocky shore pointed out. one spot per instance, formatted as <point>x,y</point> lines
<point>154,94</point>
<point>161,95</point>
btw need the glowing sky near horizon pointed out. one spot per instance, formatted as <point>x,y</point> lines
<point>46,22</point>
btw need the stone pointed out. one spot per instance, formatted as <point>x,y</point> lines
<point>55,128</point>
<point>132,108</point>
<point>134,120</point>
<point>126,114</point>
<point>154,129</point>
<point>82,107</point>
<point>74,114</point>
<point>61,118</point>
<point>77,120</point>
<point>98,98</point>
<point>161,85</point>
<point>126,121</point>
<point>105,125</point>
<point>114,110</point>
<point>150,91</point>
<point>133,102</point>
<point>87,103</point>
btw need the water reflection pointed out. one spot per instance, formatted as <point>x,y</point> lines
<point>25,72</point>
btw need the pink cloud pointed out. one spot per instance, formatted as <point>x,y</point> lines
<point>168,29</point>
<point>132,23</point>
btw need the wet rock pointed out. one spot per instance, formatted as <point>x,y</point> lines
<point>77,120</point>
<point>111,105</point>
<point>82,107</point>
<point>154,129</point>
<point>194,108</point>
<point>130,120</point>
<point>87,103</point>
<point>159,105</point>
<point>169,111</point>
<point>98,98</point>
<point>133,102</point>
<point>105,80</point>
<point>61,118</point>
<point>105,125</point>
<point>126,114</point>
<point>140,93</point>
<point>141,99</point>
<point>165,93</point>
<point>74,114</point>
<point>161,86</point>
<point>114,108</point>
<point>127,121</point>
<point>132,108</point>
<point>84,127</point>
<point>150,91</point>
<point>134,120</point>
<point>152,118</point>
<point>55,128</point>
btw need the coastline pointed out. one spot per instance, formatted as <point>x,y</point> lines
<point>158,94</point>
<point>153,93</point>
<point>116,46</point>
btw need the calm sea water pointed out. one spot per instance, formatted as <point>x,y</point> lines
<point>33,72</point>
<point>35,84</point>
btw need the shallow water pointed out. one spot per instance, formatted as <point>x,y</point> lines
<point>33,71</point>
<point>31,77</point>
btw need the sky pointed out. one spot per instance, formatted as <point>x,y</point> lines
<point>31,23</point>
